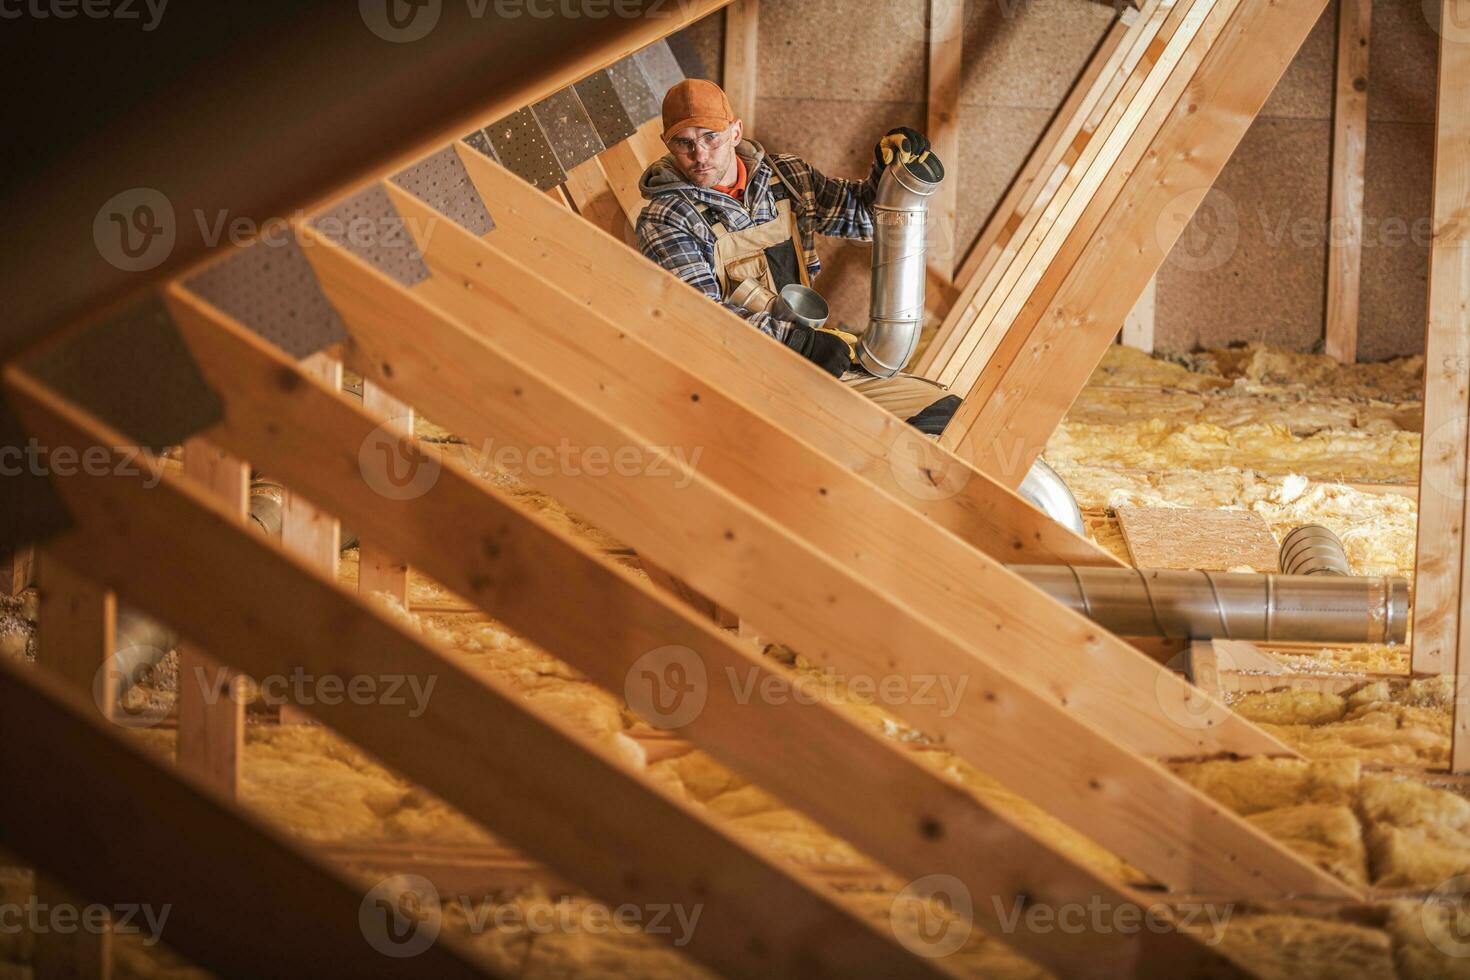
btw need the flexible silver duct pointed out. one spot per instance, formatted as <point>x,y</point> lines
<point>1048,493</point>
<point>1313,550</point>
<point>1230,605</point>
<point>896,300</point>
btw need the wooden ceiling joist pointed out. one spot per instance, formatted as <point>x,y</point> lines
<point>807,754</point>
<point>1162,145</point>
<point>143,822</point>
<point>480,746</point>
<point>508,382</point>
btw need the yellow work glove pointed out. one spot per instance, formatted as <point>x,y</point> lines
<point>902,144</point>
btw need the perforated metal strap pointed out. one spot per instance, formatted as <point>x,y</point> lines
<point>442,182</point>
<point>660,68</point>
<point>370,227</point>
<point>270,288</point>
<point>568,128</point>
<point>605,108</point>
<point>633,91</point>
<point>524,150</point>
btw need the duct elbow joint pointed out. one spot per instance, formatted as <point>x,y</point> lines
<point>896,300</point>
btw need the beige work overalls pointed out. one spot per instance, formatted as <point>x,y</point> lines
<point>746,279</point>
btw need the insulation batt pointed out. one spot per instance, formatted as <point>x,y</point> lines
<point>1280,434</point>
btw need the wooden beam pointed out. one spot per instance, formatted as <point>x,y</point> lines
<point>742,59</point>
<point>1031,189</point>
<point>588,187</point>
<point>1349,157</point>
<point>457,78</point>
<point>76,629</point>
<point>1138,328</point>
<point>1059,325</point>
<point>474,742</point>
<point>17,567</point>
<point>711,341</point>
<point>110,811</point>
<point>617,620</point>
<point>623,168</point>
<point>211,740</point>
<point>946,53</point>
<point>379,570</point>
<point>1162,50</point>
<point>1439,617</point>
<point>739,555</point>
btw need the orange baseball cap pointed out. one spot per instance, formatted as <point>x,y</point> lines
<point>696,102</point>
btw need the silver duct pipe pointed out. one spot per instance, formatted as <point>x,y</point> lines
<point>1313,550</point>
<point>1048,493</point>
<point>1230,605</point>
<point>896,300</point>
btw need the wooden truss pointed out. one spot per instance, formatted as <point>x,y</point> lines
<point>487,302</point>
<point>1134,161</point>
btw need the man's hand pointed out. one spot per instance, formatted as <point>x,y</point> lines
<point>824,349</point>
<point>902,144</point>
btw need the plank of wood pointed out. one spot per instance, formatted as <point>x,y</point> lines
<point>624,168</point>
<point>93,776</point>
<point>211,739</point>
<point>1071,316</point>
<point>602,620</point>
<point>1072,129</point>
<point>76,629</point>
<point>1138,328</point>
<point>1438,600</point>
<point>593,195</point>
<point>17,568</point>
<point>1160,73</point>
<point>742,59</point>
<point>1213,540</point>
<point>765,467</point>
<point>307,530</point>
<point>739,556</point>
<point>946,53</point>
<point>1449,310</point>
<point>709,340</point>
<point>378,569</point>
<point>475,742</point>
<point>1349,160</point>
<point>61,283</point>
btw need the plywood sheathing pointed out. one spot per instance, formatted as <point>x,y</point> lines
<point>1273,286</point>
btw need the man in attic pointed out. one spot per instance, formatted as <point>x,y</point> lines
<point>739,225</point>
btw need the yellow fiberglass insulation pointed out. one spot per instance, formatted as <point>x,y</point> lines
<point>1294,438</point>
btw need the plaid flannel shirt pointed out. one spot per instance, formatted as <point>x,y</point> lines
<point>673,230</point>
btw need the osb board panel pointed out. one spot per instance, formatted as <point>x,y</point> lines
<point>1307,89</point>
<point>1403,55</point>
<point>1252,265</point>
<point>1213,540</point>
<point>1397,230</point>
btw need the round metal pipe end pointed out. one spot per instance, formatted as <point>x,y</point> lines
<point>1313,550</point>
